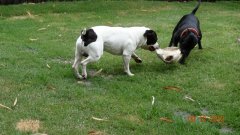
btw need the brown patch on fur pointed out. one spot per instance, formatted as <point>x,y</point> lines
<point>169,58</point>
<point>28,125</point>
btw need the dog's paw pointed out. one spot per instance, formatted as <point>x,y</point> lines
<point>138,60</point>
<point>84,77</point>
<point>182,62</point>
<point>130,74</point>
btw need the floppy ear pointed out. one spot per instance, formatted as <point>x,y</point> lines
<point>151,37</point>
<point>89,36</point>
<point>83,32</point>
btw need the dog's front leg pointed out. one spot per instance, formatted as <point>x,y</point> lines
<point>136,58</point>
<point>85,62</point>
<point>199,44</point>
<point>126,60</point>
<point>174,41</point>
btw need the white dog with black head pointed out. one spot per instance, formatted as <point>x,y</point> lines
<point>115,40</point>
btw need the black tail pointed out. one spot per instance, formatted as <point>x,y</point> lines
<point>196,8</point>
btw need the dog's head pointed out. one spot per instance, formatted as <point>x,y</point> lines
<point>151,38</point>
<point>88,36</point>
<point>187,42</point>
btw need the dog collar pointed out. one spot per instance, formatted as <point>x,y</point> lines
<point>189,29</point>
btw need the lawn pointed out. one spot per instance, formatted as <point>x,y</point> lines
<point>37,44</point>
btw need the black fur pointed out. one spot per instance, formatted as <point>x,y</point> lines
<point>151,37</point>
<point>89,37</point>
<point>189,40</point>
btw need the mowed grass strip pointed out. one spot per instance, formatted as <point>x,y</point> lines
<point>37,44</point>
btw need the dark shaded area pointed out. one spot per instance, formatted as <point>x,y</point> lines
<point>7,2</point>
<point>192,0</point>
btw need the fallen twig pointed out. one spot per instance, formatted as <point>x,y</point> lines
<point>3,106</point>
<point>99,119</point>
<point>186,97</point>
<point>98,72</point>
<point>172,88</point>
<point>41,29</point>
<point>166,119</point>
<point>15,102</point>
<point>153,100</point>
<point>48,66</point>
<point>33,39</point>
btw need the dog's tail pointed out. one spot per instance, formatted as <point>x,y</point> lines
<point>196,8</point>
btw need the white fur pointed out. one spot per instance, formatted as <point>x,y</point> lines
<point>115,40</point>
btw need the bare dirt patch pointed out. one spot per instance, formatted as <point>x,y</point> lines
<point>28,125</point>
<point>28,15</point>
<point>226,130</point>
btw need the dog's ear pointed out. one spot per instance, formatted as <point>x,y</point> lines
<point>83,32</point>
<point>88,36</point>
<point>151,37</point>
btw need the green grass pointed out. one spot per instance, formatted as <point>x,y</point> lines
<point>63,106</point>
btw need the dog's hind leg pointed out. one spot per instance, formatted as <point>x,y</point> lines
<point>136,58</point>
<point>76,63</point>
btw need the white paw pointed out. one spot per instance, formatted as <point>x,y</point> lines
<point>130,74</point>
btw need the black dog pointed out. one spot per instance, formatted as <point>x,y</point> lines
<point>187,33</point>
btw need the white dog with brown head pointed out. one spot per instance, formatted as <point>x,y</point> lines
<point>115,40</point>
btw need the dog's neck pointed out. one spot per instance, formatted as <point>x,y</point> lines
<point>193,30</point>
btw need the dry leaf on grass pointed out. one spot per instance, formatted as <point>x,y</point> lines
<point>204,117</point>
<point>189,98</point>
<point>15,102</point>
<point>48,66</point>
<point>238,40</point>
<point>98,72</point>
<point>153,100</point>
<point>29,14</point>
<point>39,134</point>
<point>172,88</point>
<point>28,125</point>
<point>33,39</point>
<point>50,87</point>
<point>99,119</point>
<point>93,132</point>
<point>3,106</point>
<point>166,120</point>
<point>40,29</point>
